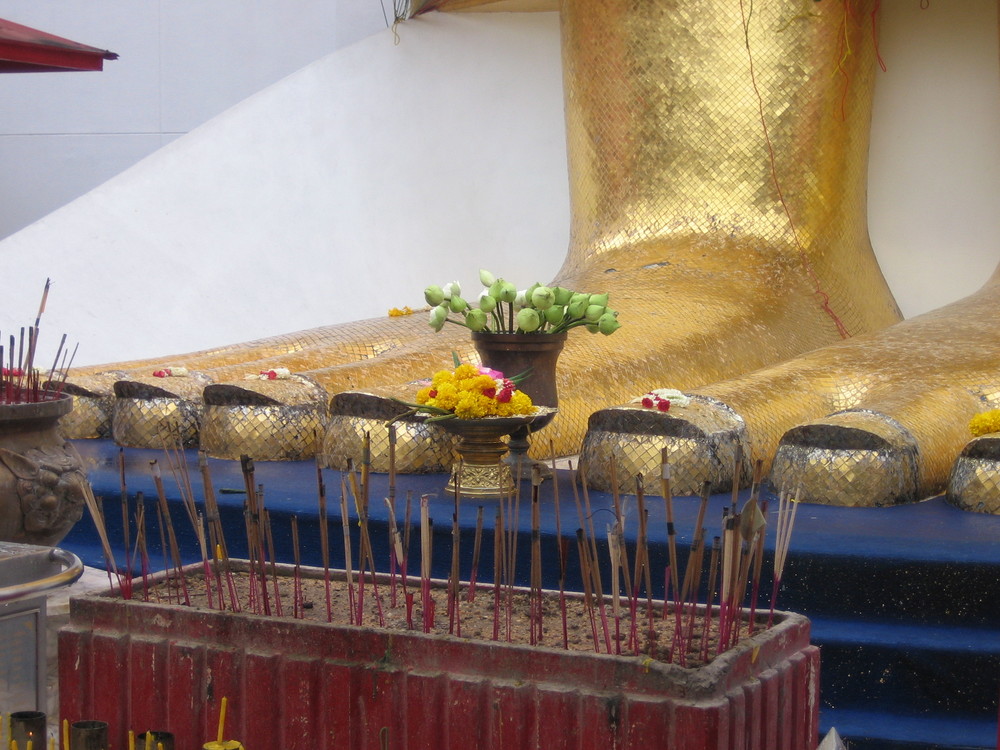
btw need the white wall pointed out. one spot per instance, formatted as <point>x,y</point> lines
<point>346,188</point>
<point>62,134</point>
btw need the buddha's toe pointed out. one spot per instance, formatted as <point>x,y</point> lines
<point>368,425</point>
<point>280,418</point>
<point>700,441</point>
<point>850,458</point>
<point>164,408</point>
<point>975,476</point>
<point>93,402</point>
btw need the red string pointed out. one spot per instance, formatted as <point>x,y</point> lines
<point>878,55</point>
<point>818,291</point>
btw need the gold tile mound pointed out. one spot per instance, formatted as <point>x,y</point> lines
<point>152,412</point>
<point>852,458</point>
<point>93,402</point>
<point>975,476</point>
<point>268,420</point>
<point>419,448</point>
<point>701,441</point>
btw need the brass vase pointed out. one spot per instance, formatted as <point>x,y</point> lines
<point>481,474</point>
<point>536,354</point>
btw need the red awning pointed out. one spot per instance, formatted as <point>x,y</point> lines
<point>27,50</point>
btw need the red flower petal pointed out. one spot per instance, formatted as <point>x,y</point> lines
<point>647,402</point>
<point>663,404</point>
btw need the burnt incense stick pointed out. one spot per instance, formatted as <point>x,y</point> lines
<point>216,532</point>
<point>269,536</point>
<point>425,563</point>
<point>175,553</point>
<point>298,610</point>
<point>583,552</point>
<point>787,508</point>
<point>476,546</point>
<point>354,615</point>
<point>594,567</point>
<point>324,539</point>
<point>498,568</point>
<point>713,569</point>
<point>454,613</point>
<point>535,616</point>
<point>97,516</point>
<point>395,549</point>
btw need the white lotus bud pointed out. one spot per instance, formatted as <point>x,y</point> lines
<point>476,320</point>
<point>528,319</point>
<point>433,295</point>
<point>438,316</point>
<point>608,324</point>
<point>543,298</point>
<point>555,314</point>
<point>487,302</point>
<point>485,277</point>
<point>578,306</point>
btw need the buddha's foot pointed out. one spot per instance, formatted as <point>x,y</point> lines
<point>876,420</point>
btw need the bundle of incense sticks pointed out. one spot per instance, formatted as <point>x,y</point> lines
<point>21,380</point>
<point>707,613</point>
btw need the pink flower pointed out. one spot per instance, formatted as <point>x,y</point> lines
<point>495,374</point>
<point>161,374</point>
<point>504,396</point>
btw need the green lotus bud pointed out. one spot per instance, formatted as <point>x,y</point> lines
<point>528,319</point>
<point>555,314</point>
<point>563,295</point>
<point>458,304</point>
<point>529,291</point>
<point>487,303</point>
<point>476,320</point>
<point>433,295</point>
<point>594,313</point>
<point>496,288</point>
<point>543,298</point>
<point>608,323</point>
<point>599,299</point>
<point>578,305</point>
<point>592,327</point>
<point>507,292</point>
<point>438,316</point>
<point>485,277</point>
<point>452,289</point>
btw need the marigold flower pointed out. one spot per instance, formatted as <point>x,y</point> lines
<point>985,423</point>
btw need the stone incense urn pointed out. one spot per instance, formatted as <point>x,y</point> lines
<point>41,475</point>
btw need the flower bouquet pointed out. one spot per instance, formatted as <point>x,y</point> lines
<point>501,308</point>
<point>471,392</point>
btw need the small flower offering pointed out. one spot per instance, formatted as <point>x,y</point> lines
<point>470,392</point>
<point>662,398</point>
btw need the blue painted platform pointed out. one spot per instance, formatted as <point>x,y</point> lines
<point>905,601</point>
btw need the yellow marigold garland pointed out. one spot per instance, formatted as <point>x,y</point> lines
<point>469,393</point>
<point>985,423</point>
